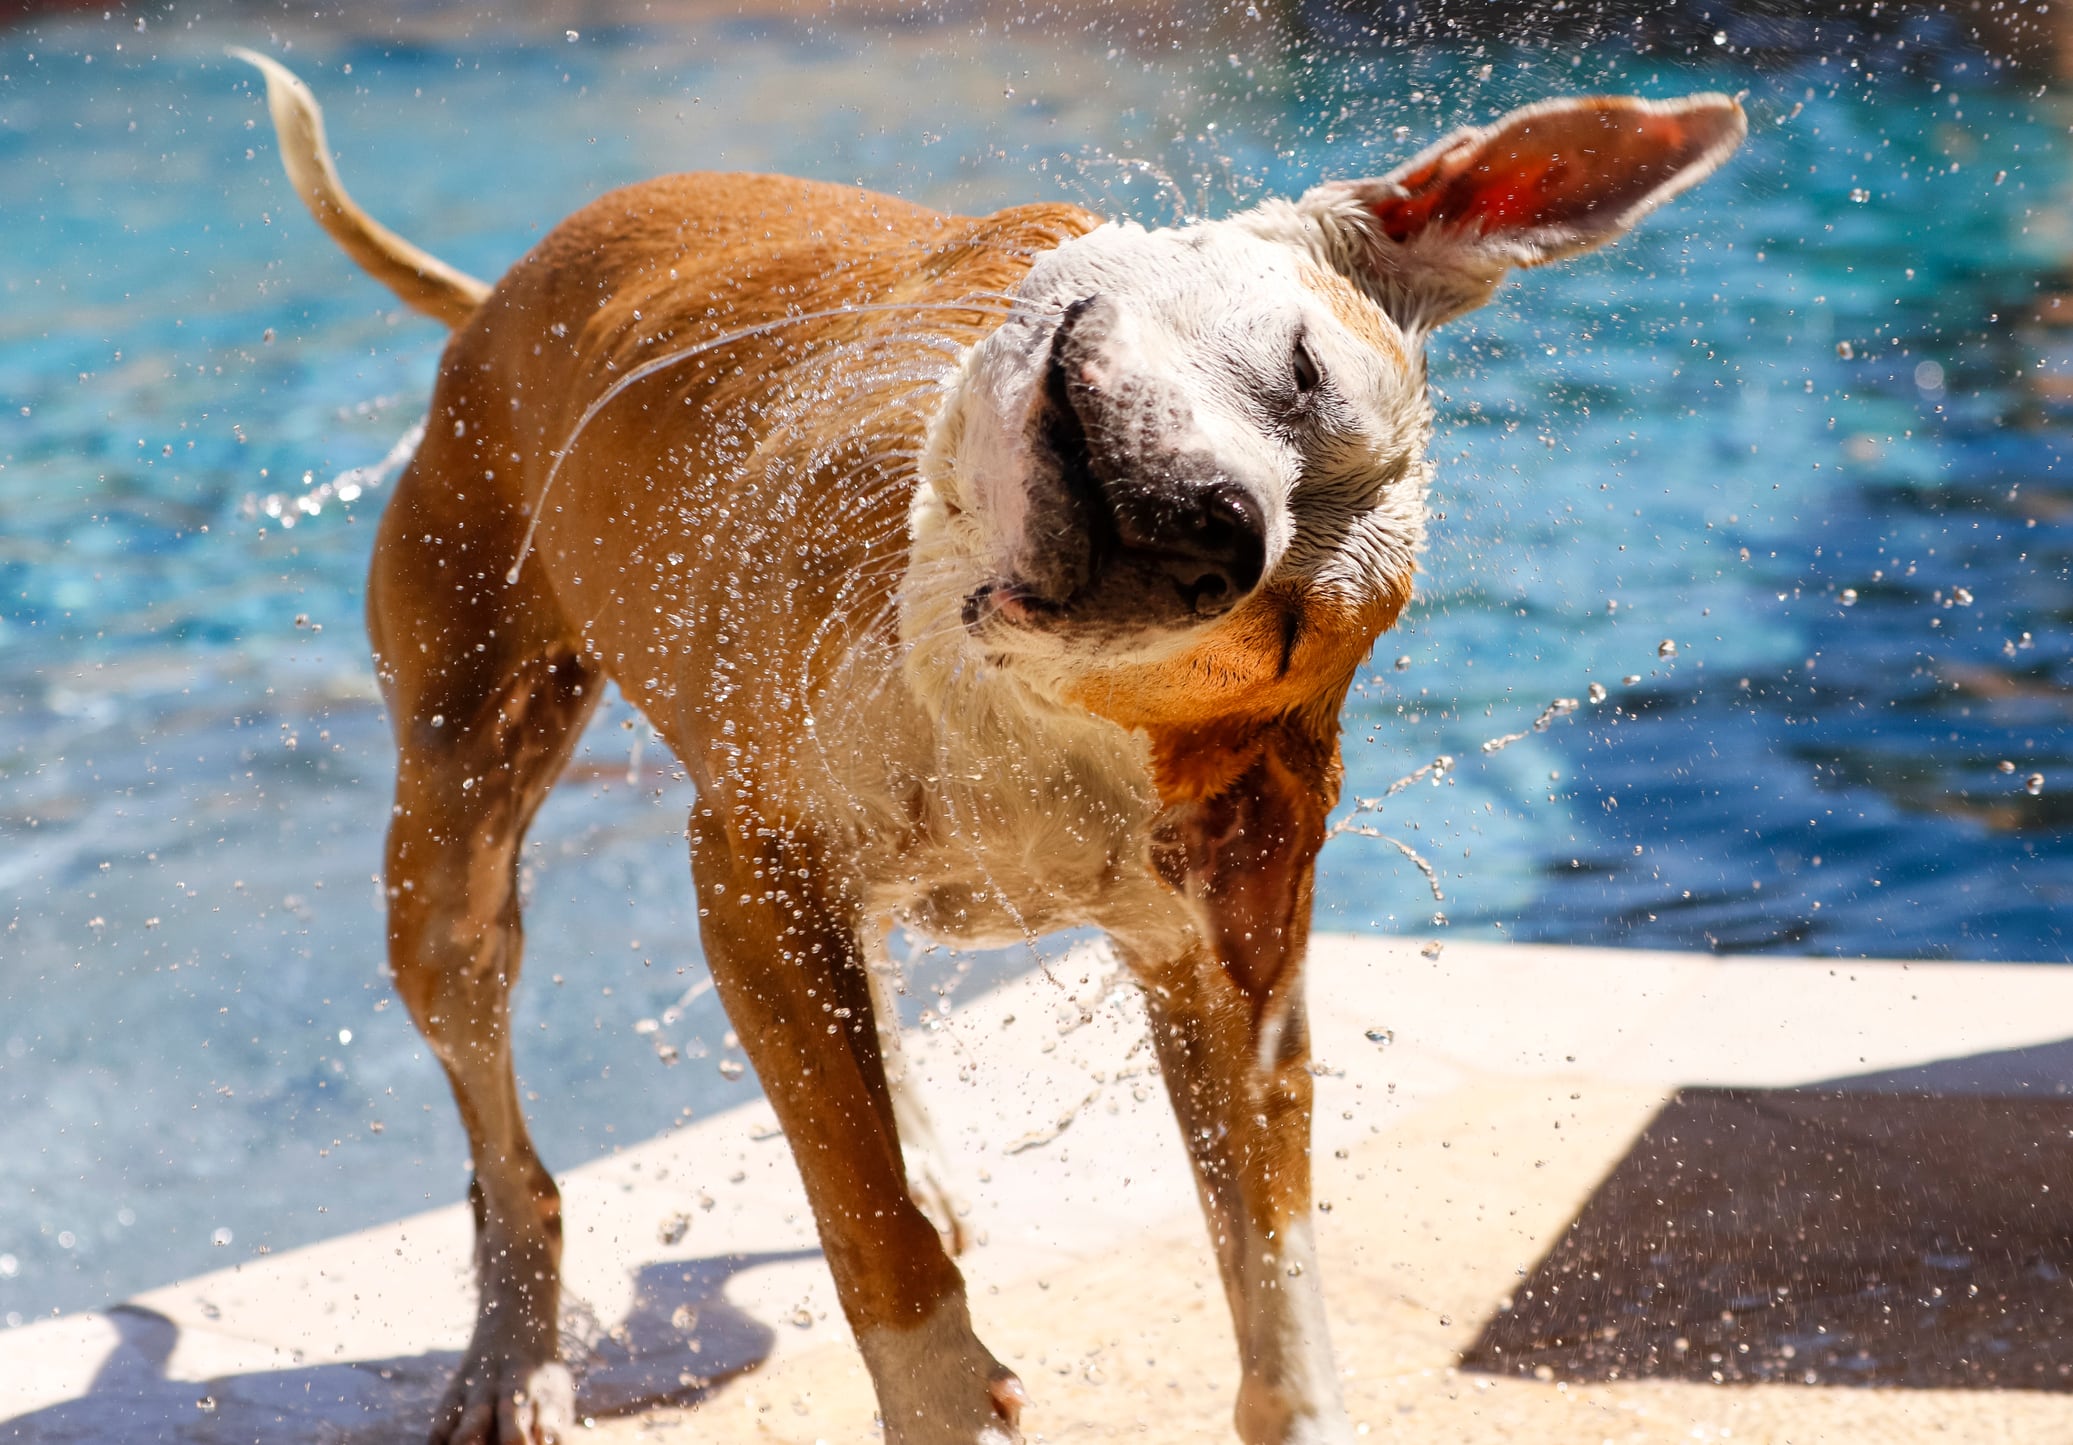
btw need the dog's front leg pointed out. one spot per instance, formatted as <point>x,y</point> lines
<point>1241,1090</point>
<point>784,953</point>
<point>1233,1041</point>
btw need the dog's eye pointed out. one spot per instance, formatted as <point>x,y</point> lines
<point>1307,375</point>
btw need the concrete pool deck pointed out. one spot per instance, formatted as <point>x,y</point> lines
<point>1568,1188</point>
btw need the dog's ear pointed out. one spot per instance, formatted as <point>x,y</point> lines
<point>1432,238</point>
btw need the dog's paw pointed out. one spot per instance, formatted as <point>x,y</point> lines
<point>1267,1415</point>
<point>937,1385</point>
<point>992,1418</point>
<point>496,1401</point>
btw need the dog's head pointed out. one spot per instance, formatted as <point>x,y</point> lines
<point>1186,480</point>
<point>1183,486</point>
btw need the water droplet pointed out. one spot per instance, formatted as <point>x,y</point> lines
<point>9,1266</point>
<point>2007,766</point>
<point>572,36</point>
<point>1439,920</point>
<point>206,1404</point>
<point>438,719</point>
<point>1961,596</point>
<point>1849,596</point>
<point>1666,648</point>
<point>1929,376</point>
<point>1446,1320</point>
<point>1403,664</point>
<point>802,1318</point>
<point>345,1036</point>
<point>1597,692</point>
<point>220,1236</point>
<point>732,1068</point>
<point>1720,37</point>
<point>683,1319</point>
<point>1845,351</point>
<point>1384,1037</point>
<point>674,1228</point>
<point>2034,784</point>
<point>1859,194</point>
<point>1631,678</point>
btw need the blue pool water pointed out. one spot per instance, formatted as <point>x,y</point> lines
<point>1807,425</point>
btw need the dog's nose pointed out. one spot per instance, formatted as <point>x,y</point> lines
<point>1155,507</point>
<point>1208,541</point>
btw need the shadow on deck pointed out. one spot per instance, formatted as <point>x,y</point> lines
<point>680,1340</point>
<point>1910,1228</point>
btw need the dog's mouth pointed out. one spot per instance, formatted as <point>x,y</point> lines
<point>1062,432</point>
<point>1079,518</point>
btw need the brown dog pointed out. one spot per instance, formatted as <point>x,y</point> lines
<point>988,577</point>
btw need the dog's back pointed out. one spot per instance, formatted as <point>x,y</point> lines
<point>751,494</point>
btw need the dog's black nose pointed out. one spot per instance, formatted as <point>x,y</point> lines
<point>1208,541</point>
<point>1153,510</point>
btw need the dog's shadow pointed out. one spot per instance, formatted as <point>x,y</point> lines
<point>680,1339</point>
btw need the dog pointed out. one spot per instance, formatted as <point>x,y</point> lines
<point>988,576</point>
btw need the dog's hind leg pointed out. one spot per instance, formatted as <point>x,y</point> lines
<point>487,698</point>
<point>786,957</point>
<point>928,1166</point>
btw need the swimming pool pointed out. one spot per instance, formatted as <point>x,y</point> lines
<point>1806,426</point>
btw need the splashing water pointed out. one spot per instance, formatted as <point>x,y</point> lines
<point>678,357</point>
<point>346,487</point>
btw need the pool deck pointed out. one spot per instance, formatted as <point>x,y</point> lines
<point>1528,1106</point>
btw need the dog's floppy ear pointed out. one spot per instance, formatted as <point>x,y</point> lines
<point>1432,238</point>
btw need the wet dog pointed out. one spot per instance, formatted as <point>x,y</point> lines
<point>988,576</point>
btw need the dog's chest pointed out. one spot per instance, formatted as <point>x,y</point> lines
<point>1003,828</point>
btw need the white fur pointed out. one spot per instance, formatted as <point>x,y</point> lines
<point>1290,1392</point>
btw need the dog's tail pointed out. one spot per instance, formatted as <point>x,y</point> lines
<point>422,280</point>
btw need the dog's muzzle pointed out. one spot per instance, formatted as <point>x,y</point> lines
<point>1123,527</point>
